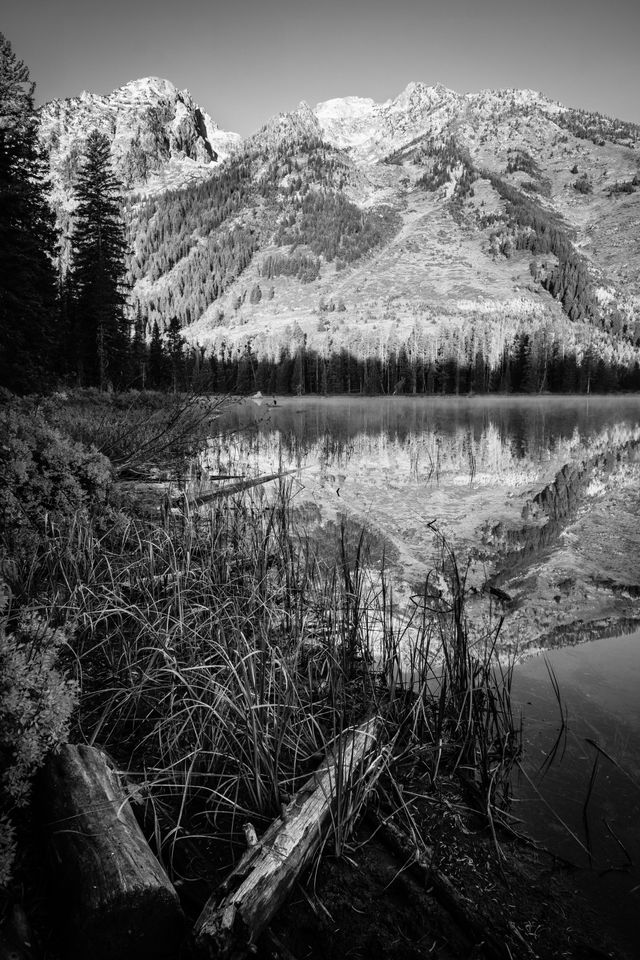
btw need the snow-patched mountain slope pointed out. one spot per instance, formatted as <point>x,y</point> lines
<point>449,169</point>
<point>371,130</point>
<point>151,125</point>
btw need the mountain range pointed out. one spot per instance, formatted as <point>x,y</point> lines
<point>437,225</point>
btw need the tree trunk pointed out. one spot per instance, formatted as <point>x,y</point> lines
<point>115,898</point>
<point>260,883</point>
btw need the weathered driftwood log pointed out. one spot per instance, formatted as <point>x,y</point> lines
<point>259,884</point>
<point>116,898</point>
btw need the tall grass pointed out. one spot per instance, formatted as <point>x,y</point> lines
<point>219,661</point>
<point>219,658</point>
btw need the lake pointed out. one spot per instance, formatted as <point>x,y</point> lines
<point>540,499</point>
<point>538,496</point>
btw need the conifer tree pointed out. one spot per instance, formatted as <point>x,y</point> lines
<point>139,351</point>
<point>157,359</point>
<point>28,310</point>
<point>98,270</point>
<point>175,351</point>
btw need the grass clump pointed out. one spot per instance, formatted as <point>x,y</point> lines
<point>218,656</point>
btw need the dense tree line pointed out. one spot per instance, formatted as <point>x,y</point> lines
<point>298,265</point>
<point>330,225</point>
<point>521,160</point>
<point>76,326</point>
<point>198,280</point>
<point>525,367</point>
<point>169,226</point>
<point>591,125</point>
<point>535,229</point>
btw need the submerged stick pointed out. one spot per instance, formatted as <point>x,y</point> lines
<point>233,488</point>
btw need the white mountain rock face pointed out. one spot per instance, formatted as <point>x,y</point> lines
<point>151,125</point>
<point>371,131</point>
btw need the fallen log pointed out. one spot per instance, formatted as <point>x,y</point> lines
<point>246,484</point>
<point>261,881</point>
<point>115,898</point>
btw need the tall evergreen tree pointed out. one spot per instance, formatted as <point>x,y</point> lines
<point>28,310</point>
<point>175,351</point>
<point>139,351</point>
<point>98,270</point>
<point>157,359</point>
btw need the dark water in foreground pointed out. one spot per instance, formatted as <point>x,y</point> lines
<point>585,804</point>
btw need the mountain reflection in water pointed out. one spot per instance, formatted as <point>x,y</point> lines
<point>474,471</point>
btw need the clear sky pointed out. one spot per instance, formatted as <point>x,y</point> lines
<point>245,60</point>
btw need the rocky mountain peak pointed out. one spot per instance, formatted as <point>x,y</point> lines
<point>296,125</point>
<point>370,130</point>
<point>151,126</point>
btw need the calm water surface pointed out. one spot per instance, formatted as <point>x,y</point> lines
<point>585,805</point>
<point>412,471</point>
<point>471,469</point>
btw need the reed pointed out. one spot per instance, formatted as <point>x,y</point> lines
<point>219,657</point>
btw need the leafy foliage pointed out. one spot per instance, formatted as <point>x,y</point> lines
<point>36,703</point>
<point>46,478</point>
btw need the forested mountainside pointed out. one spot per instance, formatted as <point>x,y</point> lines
<point>434,242</point>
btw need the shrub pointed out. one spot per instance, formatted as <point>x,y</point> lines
<point>583,185</point>
<point>44,474</point>
<point>36,702</point>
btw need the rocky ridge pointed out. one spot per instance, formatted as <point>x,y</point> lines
<point>372,227</point>
<point>152,127</point>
